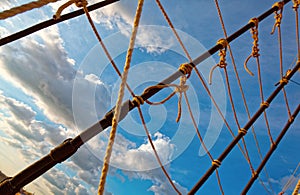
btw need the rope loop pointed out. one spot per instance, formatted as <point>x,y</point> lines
<point>138,100</point>
<point>216,163</point>
<point>278,16</point>
<point>222,63</point>
<point>255,49</point>
<point>242,131</point>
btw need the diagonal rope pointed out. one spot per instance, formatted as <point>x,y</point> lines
<point>243,94</point>
<point>201,139</point>
<point>243,131</point>
<point>155,152</point>
<point>23,8</point>
<point>289,182</point>
<point>120,98</point>
<point>273,146</point>
<point>137,99</point>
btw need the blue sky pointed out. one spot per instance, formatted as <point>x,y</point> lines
<point>57,82</point>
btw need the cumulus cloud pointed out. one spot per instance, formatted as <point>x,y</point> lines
<point>43,70</point>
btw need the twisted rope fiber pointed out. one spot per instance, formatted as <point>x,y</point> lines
<point>138,100</point>
<point>255,53</point>
<point>297,188</point>
<point>23,8</point>
<point>120,98</point>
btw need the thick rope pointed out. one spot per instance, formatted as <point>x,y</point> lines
<point>120,99</point>
<point>23,8</point>
<point>297,188</point>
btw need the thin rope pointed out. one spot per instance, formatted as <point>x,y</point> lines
<point>289,182</point>
<point>277,24</point>
<point>242,91</point>
<point>222,64</point>
<point>218,108</point>
<point>201,139</point>
<point>155,152</point>
<point>23,8</point>
<point>295,7</point>
<point>255,54</point>
<point>105,48</point>
<point>120,98</point>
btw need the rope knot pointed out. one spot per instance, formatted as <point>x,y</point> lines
<point>265,104</point>
<point>78,3</point>
<point>296,4</point>
<point>222,63</point>
<point>138,100</point>
<point>242,131</point>
<point>255,49</point>
<point>284,81</point>
<point>278,16</point>
<point>81,3</point>
<point>186,68</point>
<point>216,163</point>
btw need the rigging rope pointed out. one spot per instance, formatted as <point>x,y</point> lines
<point>255,54</point>
<point>23,8</point>
<point>297,188</point>
<point>186,69</point>
<point>246,127</point>
<point>289,182</point>
<point>242,93</point>
<point>273,146</point>
<point>120,98</point>
<point>278,19</point>
<point>295,7</point>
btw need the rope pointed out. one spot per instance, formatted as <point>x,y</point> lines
<point>295,7</point>
<point>201,140</point>
<point>255,49</point>
<point>23,8</point>
<point>289,182</point>
<point>187,68</point>
<point>222,62</point>
<point>120,98</point>
<point>255,54</point>
<point>104,47</point>
<point>278,18</point>
<point>297,188</point>
<point>241,88</point>
<point>155,152</point>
